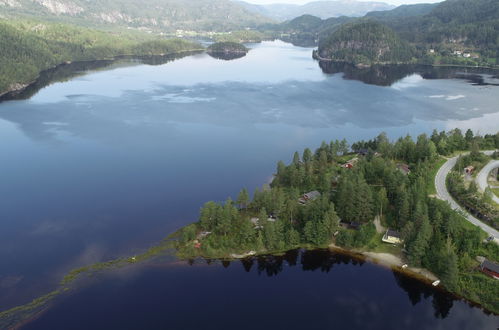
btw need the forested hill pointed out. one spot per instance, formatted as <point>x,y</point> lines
<point>404,11</point>
<point>365,42</point>
<point>322,9</point>
<point>462,32</point>
<point>164,15</point>
<point>29,47</point>
<point>333,195</point>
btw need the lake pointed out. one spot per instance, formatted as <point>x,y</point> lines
<point>104,159</point>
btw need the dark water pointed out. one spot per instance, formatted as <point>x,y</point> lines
<point>309,290</point>
<point>112,157</point>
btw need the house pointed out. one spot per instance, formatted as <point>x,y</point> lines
<point>432,51</point>
<point>458,53</point>
<point>404,168</point>
<point>310,196</point>
<point>203,234</point>
<point>467,55</point>
<point>348,165</point>
<point>490,268</point>
<point>469,170</point>
<point>392,237</point>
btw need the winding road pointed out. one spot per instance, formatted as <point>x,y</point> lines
<point>443,194</point>
<point>481,178</point>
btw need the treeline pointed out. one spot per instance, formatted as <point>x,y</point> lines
<point>433,31</point>
<point>29,47</point>
<point>366,42</point>
<point>274,220</point>
<point>227,47</point>
<point>480,204</point>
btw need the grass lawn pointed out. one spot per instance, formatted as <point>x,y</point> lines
<point>377,245</point>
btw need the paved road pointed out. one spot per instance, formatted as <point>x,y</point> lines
<point>442,193</point>
<point>481,178</point>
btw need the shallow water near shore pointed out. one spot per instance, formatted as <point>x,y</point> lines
<point>111,159</point>
<point>302,289</point>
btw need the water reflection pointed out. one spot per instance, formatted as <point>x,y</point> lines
<point>226,56</point>
<point>387,75</point>
<point>324,260</point>
<point>69,71</point>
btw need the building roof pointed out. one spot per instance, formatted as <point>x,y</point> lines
<point>491,266</point>
<point>404,168</point>
<point>312,194</point>
<point>393,233</point>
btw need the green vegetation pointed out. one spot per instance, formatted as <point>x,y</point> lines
<point>454,32</point>
<point>12,317</point>
<point>480,204</point>
<point>29,47</point>
<point>246,36</point>
<point>157,15</point>
<point>227,48</point>
<point>281,217</point>
<point>365,42</point>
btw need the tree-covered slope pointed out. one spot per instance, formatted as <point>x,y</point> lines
<point>365,42</point>
<point>404,11</point>
<point>458,32</point>
<point>321,9</point>
<point>29,47</point>
<point>154,14</point>
<point>454,25</point>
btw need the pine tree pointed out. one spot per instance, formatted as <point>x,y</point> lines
<point>243,198</point>
<point>296,159</point>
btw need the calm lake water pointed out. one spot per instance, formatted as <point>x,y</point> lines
<point>104,159</point>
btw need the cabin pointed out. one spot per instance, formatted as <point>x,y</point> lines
<point>490,268</point>
<point>392,237</point>
<point>310,196</point>
<point>203,234</point>
<point>469,170</point>
<point>404,168</point>
<point>348,165</point>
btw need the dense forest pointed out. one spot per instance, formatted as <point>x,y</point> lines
<point>157,15</point>
<point>456,32</point>
<point>335,193</point>
<point>365,42</point>
<point>227,47</point>
<point>29,47</point>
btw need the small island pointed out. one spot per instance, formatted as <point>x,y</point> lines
<point>227,50</point>
<point>374,199</point>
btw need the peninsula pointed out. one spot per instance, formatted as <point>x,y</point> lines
<point>376,198</point>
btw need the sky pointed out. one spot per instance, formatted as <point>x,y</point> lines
<point>301,2</point>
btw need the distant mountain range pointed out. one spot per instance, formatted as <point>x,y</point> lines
<point>163,15</point>
<point>322,9</point>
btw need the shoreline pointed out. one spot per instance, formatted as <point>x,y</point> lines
<point>19,87</point>
<point>386,260</point>
<point>316,57</point>
<point>391,261</point>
